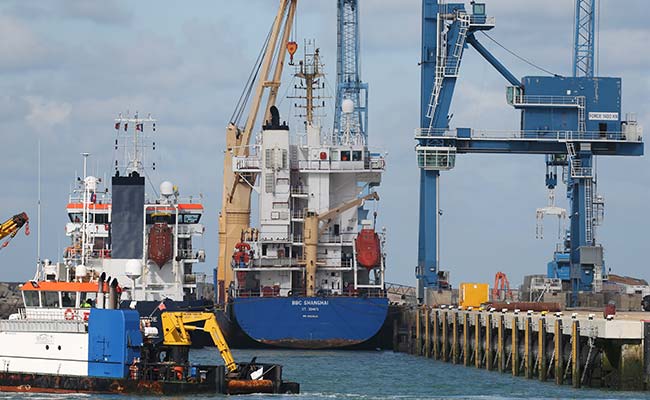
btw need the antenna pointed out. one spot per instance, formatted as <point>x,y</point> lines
<point>131,131</point>
<point>38,217</point>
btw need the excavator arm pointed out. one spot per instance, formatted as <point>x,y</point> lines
<point>11,226</point>
<point>178,325</point>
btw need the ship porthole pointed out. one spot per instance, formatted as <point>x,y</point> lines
<point>59,347</point>
<point>47,347</point>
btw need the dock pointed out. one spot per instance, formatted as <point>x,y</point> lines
<point>582,349</point>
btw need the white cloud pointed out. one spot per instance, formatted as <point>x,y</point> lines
<point>21,48</point>
<point>45,114</point>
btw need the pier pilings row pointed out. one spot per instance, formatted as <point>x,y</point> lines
<point>567,350</point>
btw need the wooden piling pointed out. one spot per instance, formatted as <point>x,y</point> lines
<point>465,340</point>
<point>575,354</point>
<point>454,338</point>
<point>528,348</point>
<point>436,336</point>
<point>427,335</point>
<point>514,349</point>
<point>559,357</point>
<point>445,330</point>
<point>541,349</point>
<point>488,342</point>
<point>501,346</point>
<point>477,340</point>
<point>418,334</point>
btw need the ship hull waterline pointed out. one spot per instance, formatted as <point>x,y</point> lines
<point>310,322</point>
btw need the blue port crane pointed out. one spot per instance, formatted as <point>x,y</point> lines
<point>348,79</point>
<point>568,119</point>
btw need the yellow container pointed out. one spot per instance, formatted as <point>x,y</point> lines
<point>473,294</point>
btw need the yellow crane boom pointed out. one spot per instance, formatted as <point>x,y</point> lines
<point>234,217</point>
<point>177,326</point>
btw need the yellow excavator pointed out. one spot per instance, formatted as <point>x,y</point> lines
<point>311,233</point>
<point>240,378</point>
<point>11,227</point>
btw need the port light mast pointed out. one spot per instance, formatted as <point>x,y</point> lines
<point>568,119</point>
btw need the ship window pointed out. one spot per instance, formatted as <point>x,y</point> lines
<point>50,299</point>
<point>83,296</point>
<point>190,218</point>
<point>345,156</point>
<point>334,155</point>
<point>356,155</point>
<point>170,219</point>
<point>68,299</point>
<point>101,218</point>
<point>31,299</point>
<point>75,217</point>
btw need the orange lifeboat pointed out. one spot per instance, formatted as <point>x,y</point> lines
<point>160,243</point>
<point>368,248</point>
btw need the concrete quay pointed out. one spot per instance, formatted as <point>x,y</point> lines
<point>578,348</point>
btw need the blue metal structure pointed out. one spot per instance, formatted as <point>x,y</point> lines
<point>584,44</point>
<point>567,119</point>
<point>348,79</point>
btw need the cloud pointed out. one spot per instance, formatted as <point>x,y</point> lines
<point>45,114</point>
<point>21,47</point>
<point>101,12</point>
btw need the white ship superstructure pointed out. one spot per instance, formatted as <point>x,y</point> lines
<point>302,174</point>
<point>146,242</point>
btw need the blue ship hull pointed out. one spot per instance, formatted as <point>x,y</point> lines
<point>310,322</point>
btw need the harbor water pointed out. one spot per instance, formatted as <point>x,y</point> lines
<point>370,375</point>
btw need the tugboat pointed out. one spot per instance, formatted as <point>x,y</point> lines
<point>71,338</point>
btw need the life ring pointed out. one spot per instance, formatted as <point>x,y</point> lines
<point>68,314</point>
<point>86,315</point>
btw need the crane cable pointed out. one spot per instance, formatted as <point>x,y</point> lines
<point>521,58</point>
<point>248,87</point>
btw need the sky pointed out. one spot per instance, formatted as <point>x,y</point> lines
<point>68,68</point>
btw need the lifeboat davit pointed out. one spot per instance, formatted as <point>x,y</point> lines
<point>160,243</point>
<point>368,248</point>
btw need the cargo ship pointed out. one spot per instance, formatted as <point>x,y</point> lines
<point>310,274</point>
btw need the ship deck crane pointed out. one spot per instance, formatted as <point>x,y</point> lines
<point>312,232</point>
<point>568,119</point>
<point>12,226</point>
<point>234,217</point>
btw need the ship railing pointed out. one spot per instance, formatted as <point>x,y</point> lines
<point>551,135</point>
<point>345,238</point>
<point>246,163</point>
<point>277,291</point>
<point>192,254</point>
<point>298,214</point>
<point>195,278</point>
<point>375,164</point>
<point>299,190</point>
